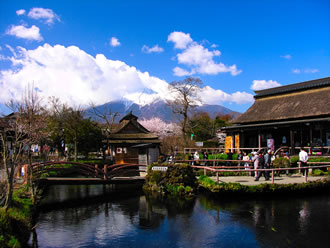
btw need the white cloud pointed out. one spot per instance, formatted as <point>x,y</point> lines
<point>78,78</point>
<point>75,76</point>
<point>198,58</point>
<point>214,46</point>
<point>47,15</point>
<point>287,56</point>
<point>23,32</point>
<point>154,49</point>
<point>308,70</point>
<point>263,84</point>
<point>114,42</point>
<point>213,96</point>
<point>180,39</point>
<point>181,72</point>
<point>20,12</point>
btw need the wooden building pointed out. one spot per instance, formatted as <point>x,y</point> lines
<point>130,142</point>
<point>296,115</point>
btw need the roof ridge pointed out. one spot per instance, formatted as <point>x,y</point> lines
<point>293,87</point>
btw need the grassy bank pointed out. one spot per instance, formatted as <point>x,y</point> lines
<point>233,189</point>
<point>15,223</point>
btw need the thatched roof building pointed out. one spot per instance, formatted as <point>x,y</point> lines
<point>132,143</point>
<point>292,115</point>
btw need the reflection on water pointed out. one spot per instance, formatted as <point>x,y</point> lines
<point>118,219</point>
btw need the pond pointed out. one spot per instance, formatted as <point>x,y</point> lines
<point>97,216</point>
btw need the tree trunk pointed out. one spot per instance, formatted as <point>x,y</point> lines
<point>75,149</point>
<point>9,194</point>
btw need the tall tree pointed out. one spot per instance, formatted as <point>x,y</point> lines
<point>56,123</point>
<point>203,127</point>
<point>24,127</point>
<point>186,97</point>
<point>108,118</point>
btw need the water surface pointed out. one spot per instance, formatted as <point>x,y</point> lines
<point>121,219</point>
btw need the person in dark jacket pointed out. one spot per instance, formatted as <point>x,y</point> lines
<point>262,166</point>
<point>268,160</point>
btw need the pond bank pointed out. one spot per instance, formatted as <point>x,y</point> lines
<point>283,179</point>
<point>16,222</point>
<point>233,189</point>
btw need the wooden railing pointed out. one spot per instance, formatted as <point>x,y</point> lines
<point>92,171</point>
<point>242,169</point>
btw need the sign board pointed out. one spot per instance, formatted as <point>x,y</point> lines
<point>200,144</point>
<point>143,159</point>
<point>159,168</point>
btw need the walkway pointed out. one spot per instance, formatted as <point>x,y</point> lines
<point>283,179</point>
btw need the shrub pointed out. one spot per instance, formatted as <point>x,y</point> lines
<point>235,156</point>
<point>178,179</point>
<point>281,163</point>
<point>294,161</point>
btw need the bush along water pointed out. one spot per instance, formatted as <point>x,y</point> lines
<point>177,180</point>
<point>233,189</point>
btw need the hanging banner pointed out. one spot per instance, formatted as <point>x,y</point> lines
<point>228,144</point>
<point>237,144</point>
<point>270,144</point>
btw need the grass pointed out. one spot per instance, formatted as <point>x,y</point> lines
<point>15,223</point>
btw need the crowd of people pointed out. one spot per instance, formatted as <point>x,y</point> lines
<point>258,160</point>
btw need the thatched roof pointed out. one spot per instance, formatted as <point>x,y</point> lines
<point>131,131</point>
<point>304,100</point>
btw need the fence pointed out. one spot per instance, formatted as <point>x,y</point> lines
<point>242,169</point>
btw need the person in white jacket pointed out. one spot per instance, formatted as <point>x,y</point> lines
<point>303,158</point>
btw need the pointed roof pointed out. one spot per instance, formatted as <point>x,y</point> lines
<point>130,130</point>
<point>128,117</point>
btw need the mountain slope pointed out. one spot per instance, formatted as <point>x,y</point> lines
<point>156,109</point>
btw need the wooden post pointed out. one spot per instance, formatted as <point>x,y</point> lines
<point>273,176</point>
<point>105,170</point>
<point>96,171</point>
<point>204,171</point>
<point>306,173</point>
<point>26,172</point>
<point>292,142</point>
<point>299,165</point>
<point>217,176</point>
<point>259,141</point>
<point>310,137</point>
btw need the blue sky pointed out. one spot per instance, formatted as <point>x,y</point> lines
<point>98,51</point>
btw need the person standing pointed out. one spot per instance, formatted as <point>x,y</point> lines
<point>255,160</point>
<point>267,158</point>
<point>239,157</point>
<point>246,162</point>
<point>206,157</point>
<point>196,157</point>
<point>261,166</point>
<point>303,158</point>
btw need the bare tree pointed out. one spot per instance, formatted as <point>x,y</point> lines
<point>24,127</point>
<point>108,117</point>
<point>186,98</point>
